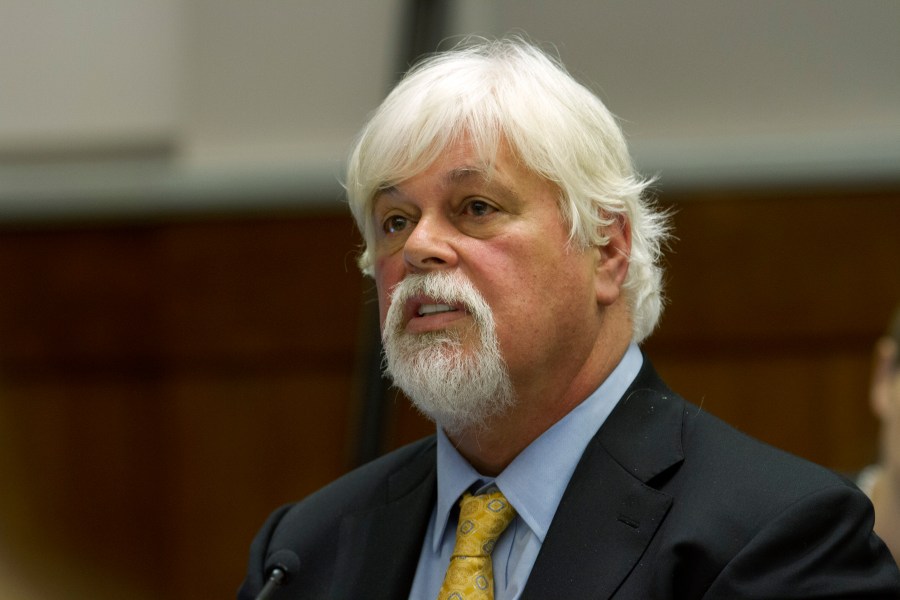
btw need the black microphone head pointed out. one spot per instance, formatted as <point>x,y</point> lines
<point>285,560</point>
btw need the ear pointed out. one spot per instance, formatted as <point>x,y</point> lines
<point>882,373</point>
<point>612,261</point>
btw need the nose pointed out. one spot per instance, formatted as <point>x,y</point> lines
<point>430,245</point>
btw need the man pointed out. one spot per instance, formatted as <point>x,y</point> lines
<point>516,261</point>
<point>881,482</point>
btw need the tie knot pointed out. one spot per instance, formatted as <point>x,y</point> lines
<point>482,519</point>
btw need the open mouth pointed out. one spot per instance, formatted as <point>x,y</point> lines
<point>424,314</point>
<point>433,309</point>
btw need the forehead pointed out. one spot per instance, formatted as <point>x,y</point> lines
<point>462,166</point>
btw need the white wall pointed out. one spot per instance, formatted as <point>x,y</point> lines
<point>257,99</point>
<point>89,73</point>
<point>715,90</point>
<point>284,81</point>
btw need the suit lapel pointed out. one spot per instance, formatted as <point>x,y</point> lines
<point>610,511</point>
<point>379,548</point>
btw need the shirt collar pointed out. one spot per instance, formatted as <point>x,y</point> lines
<point>534,482</point>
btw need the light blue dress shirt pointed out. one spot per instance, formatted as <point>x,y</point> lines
<point>533,482</point>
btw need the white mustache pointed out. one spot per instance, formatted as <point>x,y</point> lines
<point>460,384</point>
<point>449,287</point>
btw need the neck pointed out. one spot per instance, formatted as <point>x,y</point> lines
<point>491,447</point>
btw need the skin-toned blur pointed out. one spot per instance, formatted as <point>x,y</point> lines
<point>882,482</point>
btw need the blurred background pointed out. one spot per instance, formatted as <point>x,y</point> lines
<point>185,340</point>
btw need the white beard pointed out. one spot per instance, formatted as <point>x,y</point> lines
<point>458,390</point>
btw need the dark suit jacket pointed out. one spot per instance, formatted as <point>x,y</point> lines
<point>666,502</point>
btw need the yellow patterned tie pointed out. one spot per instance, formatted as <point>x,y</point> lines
<point>482,519</point>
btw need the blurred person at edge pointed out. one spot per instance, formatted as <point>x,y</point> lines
<point>517,261</point>
<point>881,482</point>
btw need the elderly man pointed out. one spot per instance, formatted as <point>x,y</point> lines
<point>516,260</point>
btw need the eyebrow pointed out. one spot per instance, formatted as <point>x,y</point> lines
<point>459,175</point>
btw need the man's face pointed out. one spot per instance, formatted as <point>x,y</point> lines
<point>502,232</point>
<point>886,403</point>
<point>893,391</point>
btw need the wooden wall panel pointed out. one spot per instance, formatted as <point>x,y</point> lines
<point>85,469</point>
<point>165,385</point>
<point>779,267</point>
<point>775,302</point>
<point>246,445</point>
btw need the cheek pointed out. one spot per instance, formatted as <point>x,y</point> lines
<point>894,411</point>
<point>385,279</point>
<point>383,306</point>
<point>529,293</point>
<point>554,299</point>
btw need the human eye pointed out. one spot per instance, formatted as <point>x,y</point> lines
<point>394,224</point>
<point>479,208</point>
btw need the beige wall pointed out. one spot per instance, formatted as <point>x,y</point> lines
<point>232,93</point>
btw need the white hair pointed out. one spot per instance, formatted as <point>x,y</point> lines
<point>509,91</point>
<point>458,390</point>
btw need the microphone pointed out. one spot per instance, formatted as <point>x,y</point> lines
<point>280,567</point>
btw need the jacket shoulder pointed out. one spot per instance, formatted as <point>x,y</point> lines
<point>312,523</point>
<point>372,484</point>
